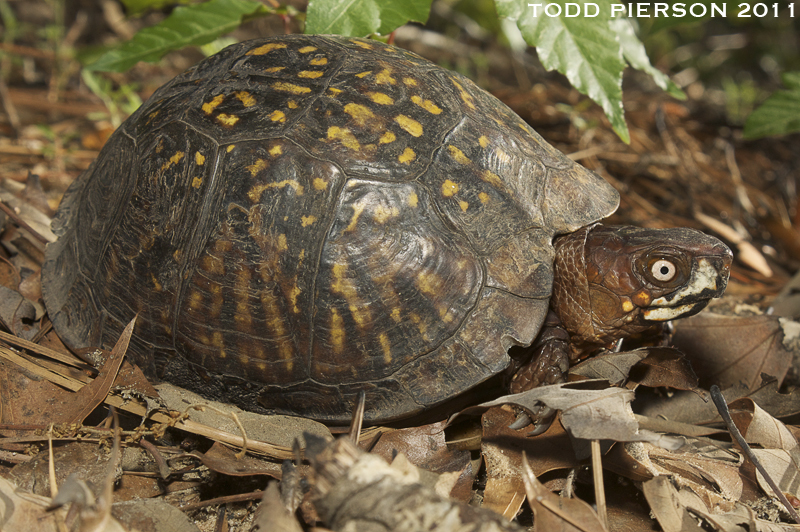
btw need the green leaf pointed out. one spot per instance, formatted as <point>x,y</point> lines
<point>360,18</point>
<point>634,52</point>
<point>137,7</point>
<point>779,114</point>
<point>186,26</point>
<point>583,48</point>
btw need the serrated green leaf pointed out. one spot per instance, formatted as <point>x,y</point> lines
<point>779,114</point>
<point>360,18</point>
<point>585,49</point>
<point>634,53</point>
<point>137,7</point>
<point>186,26</point>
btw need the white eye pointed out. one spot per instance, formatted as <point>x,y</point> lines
<point>663,270</point>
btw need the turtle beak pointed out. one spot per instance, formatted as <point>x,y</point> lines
<point>709,277</point>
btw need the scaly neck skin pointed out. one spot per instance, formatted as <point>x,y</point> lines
<point>607,278</point>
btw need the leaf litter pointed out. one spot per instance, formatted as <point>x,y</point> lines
<point>663,448</point>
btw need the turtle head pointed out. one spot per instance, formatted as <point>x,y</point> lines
<point>612,281</point>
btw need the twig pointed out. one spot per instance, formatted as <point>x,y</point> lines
<point>722,408</point>
<point>599,487</point>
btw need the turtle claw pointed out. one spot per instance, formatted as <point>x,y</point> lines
<point>543,419</point>
<point>540,421</point>
<point>522,421</point>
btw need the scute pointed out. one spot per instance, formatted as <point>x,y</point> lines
<point>298,219</point>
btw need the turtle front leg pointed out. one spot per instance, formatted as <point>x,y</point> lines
<point>548,364</point>
<point>550,360</point>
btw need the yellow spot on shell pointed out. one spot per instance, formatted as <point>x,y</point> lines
<point>246,98</point>
<point>276,150</point>
<point>483,141</point>
<point>277,116</point>
<point>429,283</point>
<point>230,148</point>
<point>627,306</point>
<point>310,74</point>
<point>290,87</point>
<point>282,245</point>
<point>382,214</point>
<point>195,299</point>
<point>358,208</point>
<point>272,70</point>
<point>344,286</point>
<point>199,158</point>
<point>407,156</point>
<point>266,48</point>
<point>385,76</point>
<point>449,188</point>
<point>465,96</point>
<point>256,167</point>
<point>428,105</point>
<point>364,74</point>
<point>410,82</point>
<point>380,98</point>
<point>175,159</point>
<point>396,315</point>
<point>226,119</point>
<point>464,205</point>
<point>156,285</point>
<point>411,126</point>
<point>491,178</point>
<point>386,347</point>
<point>334,91</point>
<point>293,293</point>
<point>413,199</point>
<point>458,155</point>
<point>209,107</point>
<point>484,197</point>
<point>255,193</point>
<point>291,104</point>
<point>387,137</point>
<point>320,184</point>
<point>337,331</point>
<point>319,61</point>
<point>305,221</point>
<point>196,182</point>
<point>344,136</point>
<point>361,115</point>
<point>362,44</point>
<point>307,49</point>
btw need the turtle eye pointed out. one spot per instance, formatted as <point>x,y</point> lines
<point>663,270</point>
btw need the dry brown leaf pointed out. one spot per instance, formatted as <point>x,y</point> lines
<point>779,451</point>
<point>679,509</point>
<point>358,491</point>
<point>271,515</point>
<point>613,367</point>
<point>726,350</point>
<point>712,473</point>
<point>223,460</point>
<point>664,366</point>
<point>552,512</point>
<point>586,412</point>
<point>24,512</point>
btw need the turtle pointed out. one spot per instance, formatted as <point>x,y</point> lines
<point>298,220</point>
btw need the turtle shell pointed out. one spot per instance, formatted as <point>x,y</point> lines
<point>298,219</point>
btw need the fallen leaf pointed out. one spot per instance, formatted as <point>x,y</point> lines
<point>552,512</point>
<point>726,350</point>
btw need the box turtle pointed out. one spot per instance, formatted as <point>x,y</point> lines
<point>298,219</point>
